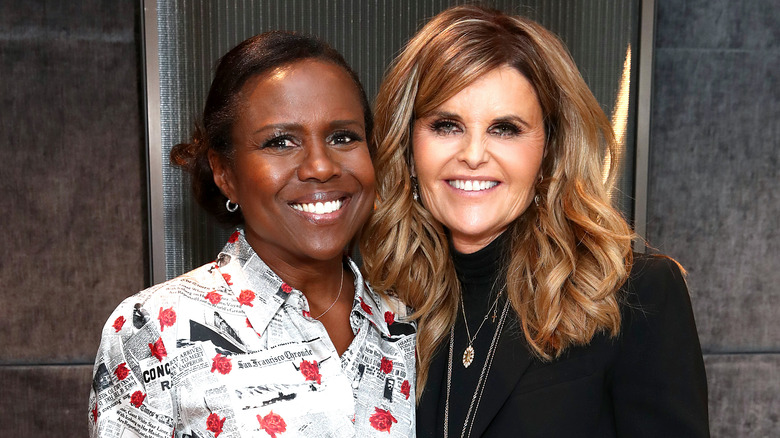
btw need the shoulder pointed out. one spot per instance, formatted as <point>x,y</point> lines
<point>656,294</point>
<point>653,280</point>
<point>146,304</point>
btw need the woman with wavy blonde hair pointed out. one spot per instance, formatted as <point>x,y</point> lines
<point>494,222</point>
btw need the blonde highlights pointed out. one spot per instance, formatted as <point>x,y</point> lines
<point>569,255</point>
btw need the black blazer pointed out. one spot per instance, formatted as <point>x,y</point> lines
<point>647,382</point>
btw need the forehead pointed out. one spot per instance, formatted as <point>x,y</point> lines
<point>302,90</point>
<point>503,89</point>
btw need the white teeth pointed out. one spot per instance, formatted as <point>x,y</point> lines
<point>472,185</point>
<point>319,207</point>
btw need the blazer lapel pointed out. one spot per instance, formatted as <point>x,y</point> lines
<point>510,362</point>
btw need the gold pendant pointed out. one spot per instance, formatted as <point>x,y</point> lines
<point>468,356</point>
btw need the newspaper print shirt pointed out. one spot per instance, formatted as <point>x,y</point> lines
<point>229,350</point>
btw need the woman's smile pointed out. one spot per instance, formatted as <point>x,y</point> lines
<point>472,185</point>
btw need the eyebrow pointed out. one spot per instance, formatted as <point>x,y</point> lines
<point>503,119</point>
<point>335,124</point>
<point>513,118</point>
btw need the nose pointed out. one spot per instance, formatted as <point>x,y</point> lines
<point>474,151</point>
<point>318,163</point>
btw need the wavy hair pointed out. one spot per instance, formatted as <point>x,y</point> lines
<point>569,255</point>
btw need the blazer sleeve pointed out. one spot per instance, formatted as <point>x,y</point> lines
<point>659,385</point>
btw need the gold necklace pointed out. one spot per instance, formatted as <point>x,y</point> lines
<point>468,353</point>
<point>468,423</point>
<point>341,283</point>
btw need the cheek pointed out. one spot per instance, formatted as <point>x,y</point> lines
<point>360,164</point>
<point>427,159</point>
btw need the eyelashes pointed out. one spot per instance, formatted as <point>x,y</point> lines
<point>502,129</point>
<point>278,141</point>
<point>445,127</point>
<point>344,136</point>
<point>282,141</point>
<point>505,129</point>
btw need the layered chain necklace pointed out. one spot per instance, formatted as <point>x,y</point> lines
<point>468,354</point>
<point>468,423</point>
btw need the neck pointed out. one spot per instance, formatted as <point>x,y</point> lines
<point>484,265</point>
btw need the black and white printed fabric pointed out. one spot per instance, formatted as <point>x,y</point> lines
<point>230,350</point>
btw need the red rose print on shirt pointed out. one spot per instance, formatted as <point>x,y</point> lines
<point>214,297</point>
<point>118,323</point>
<point>158,349</point>
<point>382,420</point>
<point>137,399</point>
<point>311,371</point>
<point>272,424</point>
<point>389,317</point>
<point>245,297</point>
<point>94,414</point>
<point>386,366</point>
<point>214,424</point>
<point>121,371</point>
<point>167,317</point>
<point>221,363</point>
<point>405,388</point>
<point>234,237</point>
<point>227,279</point>
<point>286,288</point>
<point>365,306</point>
<point>306,313</point>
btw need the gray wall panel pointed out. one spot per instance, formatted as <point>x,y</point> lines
<point>743,395</point>
<point>715,157</point>
<point>719,24</point>
<point>715,188</point>
<point>44,401</point>
<point>73,176</point>
<point>713,197</point>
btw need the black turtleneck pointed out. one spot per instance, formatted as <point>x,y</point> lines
<point>482,277</point>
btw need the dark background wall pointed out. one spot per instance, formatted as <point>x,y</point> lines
<point>73,185</point>
<point>71,155</point>
<point>714,193</point>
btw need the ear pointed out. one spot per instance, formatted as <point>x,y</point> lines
<point>223,175</point>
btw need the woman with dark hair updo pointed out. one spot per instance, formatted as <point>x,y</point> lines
<point>493,221</point>
<point>279,336</point>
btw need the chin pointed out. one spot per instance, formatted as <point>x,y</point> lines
<point>326,252</point>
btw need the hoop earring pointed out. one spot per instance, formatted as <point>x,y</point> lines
<point>415,189</point>
<point>231,208</point>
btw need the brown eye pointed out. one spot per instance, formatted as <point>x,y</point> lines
<point>278,142</point>
<point>344,138</point>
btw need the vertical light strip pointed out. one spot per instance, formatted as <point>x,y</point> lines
<point>154,143</point>
<point>620,114</point>
<point>644,100</point>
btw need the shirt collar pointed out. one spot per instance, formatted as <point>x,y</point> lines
<point>243,270</point>
<point>368,304</point>
<point>258,289</point>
